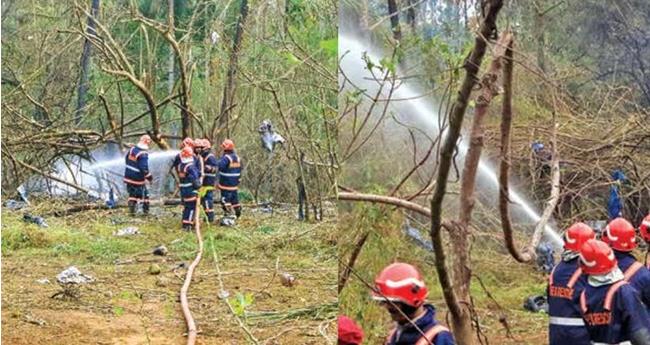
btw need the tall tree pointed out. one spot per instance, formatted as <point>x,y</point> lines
<point>222,122</point>
<point>82,89</point>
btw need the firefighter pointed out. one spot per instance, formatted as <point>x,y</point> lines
<point>189,186</point>
<point>198,150</point>
<point>349,332</point>
<point>136,173</point>
<point>209,178</point>
<point>400,289</point>
<point>230,167</point>
<point>644,229</point>
<point>619,234</point>
<point>187,142</point>
<point>565,283</point>
<point>610,306</point>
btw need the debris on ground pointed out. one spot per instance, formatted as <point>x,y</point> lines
<point>536,304</point>
<point>179,266</point>
<point>43,281</point>
<point>72,275</point>
<point>227,221</point>
<point>223,294</point>
<point>154,269</point>
<point>416,236</point>
<point>35,219</point>
<point>162,281</point>
<point>70,281</point>
<point>129,231</point>
<point>160,250</point>
<point>287,279</point>
<point>15,205</point>
<point>30,319</point>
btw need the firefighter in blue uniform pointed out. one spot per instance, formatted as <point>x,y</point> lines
<point>610,306</point>
<point>136,173</point>
<point>399,287</point>
<point>621,237</point>
<point>187,142</point>
<point>189,186</point>
<point>209,177</point>
<point>565,283</point>
<point>230,167</point>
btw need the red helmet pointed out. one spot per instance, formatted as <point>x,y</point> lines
<point>228,145</point>
<point>400,282</point>
<point>198,142</point>
<point>596,257</point>
<point>187,142</point>
<point>644,228</point>
<point>620,235</point>
<point>144,142</point>
<point>576,235</point>
<point>187,152</point>
<point>207,143</point>
<point>349,332</point>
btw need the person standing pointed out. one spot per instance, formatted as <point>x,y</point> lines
<point>230,168</point>
<point>136,173</point>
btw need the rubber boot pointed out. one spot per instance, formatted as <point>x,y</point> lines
<point>145,208</point>
<point>238,212</point>
<point>187,227</point>
<point>132,205</point>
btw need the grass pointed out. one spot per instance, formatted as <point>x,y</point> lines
<point>507,281</point>
<point>247,255</point>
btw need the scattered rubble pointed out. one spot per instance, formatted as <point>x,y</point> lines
<point>160,250</point>
<point>72,275</point>
<point>35,219</point>
<point>287,279</point>
<point>129,231</point>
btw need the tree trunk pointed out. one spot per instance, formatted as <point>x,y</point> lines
<point>223,120</point>
<point>410,14</point>
<point>82,88</point>
<point>170,63</point>
<point>538,32</point>
<point>461,319</point>
<point>394,20</point>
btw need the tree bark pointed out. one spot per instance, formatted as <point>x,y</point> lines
<point>506,124</point>
<point>170,64</point>
<point>82,89</point>
<point>461,320</point>
<point>223,120</point>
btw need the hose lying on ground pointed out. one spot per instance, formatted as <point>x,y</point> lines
<point>191,325</point>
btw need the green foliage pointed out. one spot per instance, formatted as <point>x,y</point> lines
<point>240,302</point>
<point>118,311</point>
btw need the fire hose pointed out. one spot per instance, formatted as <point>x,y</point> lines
<point>191,325</point>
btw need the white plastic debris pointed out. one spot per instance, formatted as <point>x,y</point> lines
<point>227,221</point>
<point>129,231</point>
<point>223,294</point>
<point>43,281</point>
<point>72,275</point>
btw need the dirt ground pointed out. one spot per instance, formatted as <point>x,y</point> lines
<point>129,305</point>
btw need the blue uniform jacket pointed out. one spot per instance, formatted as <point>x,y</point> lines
<point>566,326</point>
<point>612,312</point>
<point>210,169</point>
<point>229,171</point>
<point>189,180</point>
<point>408,335</point>
<point>637,275</point>
<point>137,166</point>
